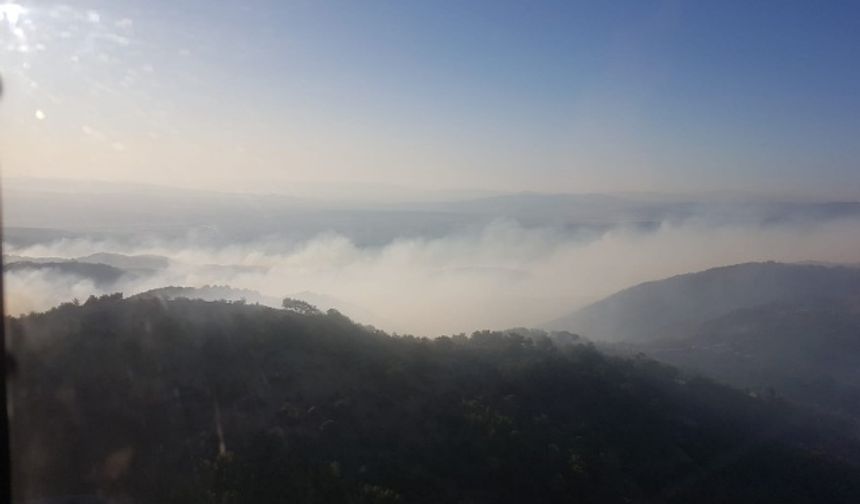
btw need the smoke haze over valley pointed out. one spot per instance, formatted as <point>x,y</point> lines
<point>382,252</point>
<point>432,184</point>
<point>427,268</point>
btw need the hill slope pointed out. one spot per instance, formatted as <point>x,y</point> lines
<point>674,307</point>
<point>788,329</point>
<point>194,401</point>
<point>807,352</point>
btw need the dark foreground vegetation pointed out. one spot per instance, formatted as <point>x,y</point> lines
<point>154,401</point>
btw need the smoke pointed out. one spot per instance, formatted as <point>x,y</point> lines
<point>38,290</point>
<point>500,276</point>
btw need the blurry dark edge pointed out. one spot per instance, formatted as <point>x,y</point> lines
<point>5,461</point>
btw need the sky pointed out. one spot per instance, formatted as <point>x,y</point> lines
<point>498,96</point>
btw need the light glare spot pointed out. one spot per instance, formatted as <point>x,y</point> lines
<point>39,114</point>
<point>11,12</point>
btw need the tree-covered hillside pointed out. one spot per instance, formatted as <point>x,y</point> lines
<point>157,401</point>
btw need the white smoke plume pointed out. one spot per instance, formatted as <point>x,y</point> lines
<point>501,276</point>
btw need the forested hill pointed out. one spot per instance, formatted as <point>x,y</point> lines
<point>160,401</point>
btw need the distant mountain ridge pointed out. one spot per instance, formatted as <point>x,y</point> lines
<point>75,209</point>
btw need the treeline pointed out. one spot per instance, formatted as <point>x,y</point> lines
<point>153,400</point>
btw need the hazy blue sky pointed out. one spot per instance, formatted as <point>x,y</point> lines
<point>548,96</point>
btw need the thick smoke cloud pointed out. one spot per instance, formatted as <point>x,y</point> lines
<point>500,276</point>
